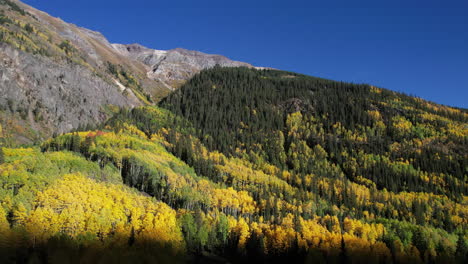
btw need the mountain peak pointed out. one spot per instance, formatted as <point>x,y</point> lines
<point>61,76</point>
<point>174,66</point>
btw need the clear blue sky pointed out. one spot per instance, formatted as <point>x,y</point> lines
<point>416,47</point>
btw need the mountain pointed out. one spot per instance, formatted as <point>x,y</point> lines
<point>57,77</point>
<point>176,66</point>
<point>183,157</point>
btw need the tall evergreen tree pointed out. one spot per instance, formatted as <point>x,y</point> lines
<point>2,155</point>
<point>462,249</point>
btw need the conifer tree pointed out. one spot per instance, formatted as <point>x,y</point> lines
<point>2,155</point>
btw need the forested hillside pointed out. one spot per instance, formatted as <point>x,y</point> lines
<point>243,165</point>
<point>398,142</point>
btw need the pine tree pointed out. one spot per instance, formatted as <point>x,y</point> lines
<point>2,156</point>
<point>75,143</point>
<point>343,256</point>
<point>462,249</point>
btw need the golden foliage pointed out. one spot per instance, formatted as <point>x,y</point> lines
<point>77,206</point>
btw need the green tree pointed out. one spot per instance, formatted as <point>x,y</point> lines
<point>203,231</point>
<point>222,229</point>
<point>2,156</point>
<point>189,230</point>
<point>29,28</point>
<point>462,249</point>
<point>75,143</point>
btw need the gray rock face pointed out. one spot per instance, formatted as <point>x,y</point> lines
<point>65,76</point>
<point>64,96</point>
<point>54,90</point>
<point>140,53</point>
<point>176,65</point>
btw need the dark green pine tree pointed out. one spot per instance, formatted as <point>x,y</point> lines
<point>462,249</point>
<point>343,257</point>
<point>2,155</point>
<point>75,143</point>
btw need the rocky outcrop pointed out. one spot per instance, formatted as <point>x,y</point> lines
<point>59,96</point>
<point>177,65</point>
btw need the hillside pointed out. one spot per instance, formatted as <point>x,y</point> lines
<point>276,166</point>
<point>397,142</point>
<point>116,153</point>
<point>57,77</point>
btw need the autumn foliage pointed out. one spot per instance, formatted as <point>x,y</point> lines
<point>304,184</point>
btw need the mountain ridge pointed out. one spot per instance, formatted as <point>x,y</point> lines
<point>174,65</point>
<point>43,40</point>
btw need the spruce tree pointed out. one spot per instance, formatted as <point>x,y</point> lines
<point>462,249</point>
<point>2,156</point>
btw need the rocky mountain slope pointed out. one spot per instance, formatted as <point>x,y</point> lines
<point>47,94</point>
<point>175,66</point>
<point>56,76</point>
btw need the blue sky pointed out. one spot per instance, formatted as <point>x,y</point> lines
<point>416,47</point>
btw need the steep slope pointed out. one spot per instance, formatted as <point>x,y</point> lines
<point>50,80</point>
<point>57,76</point>
<point>53,97</point>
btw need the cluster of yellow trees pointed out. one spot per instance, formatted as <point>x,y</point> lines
<point>106,213</point>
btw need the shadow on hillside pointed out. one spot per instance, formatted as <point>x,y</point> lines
<point>64,249</point>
